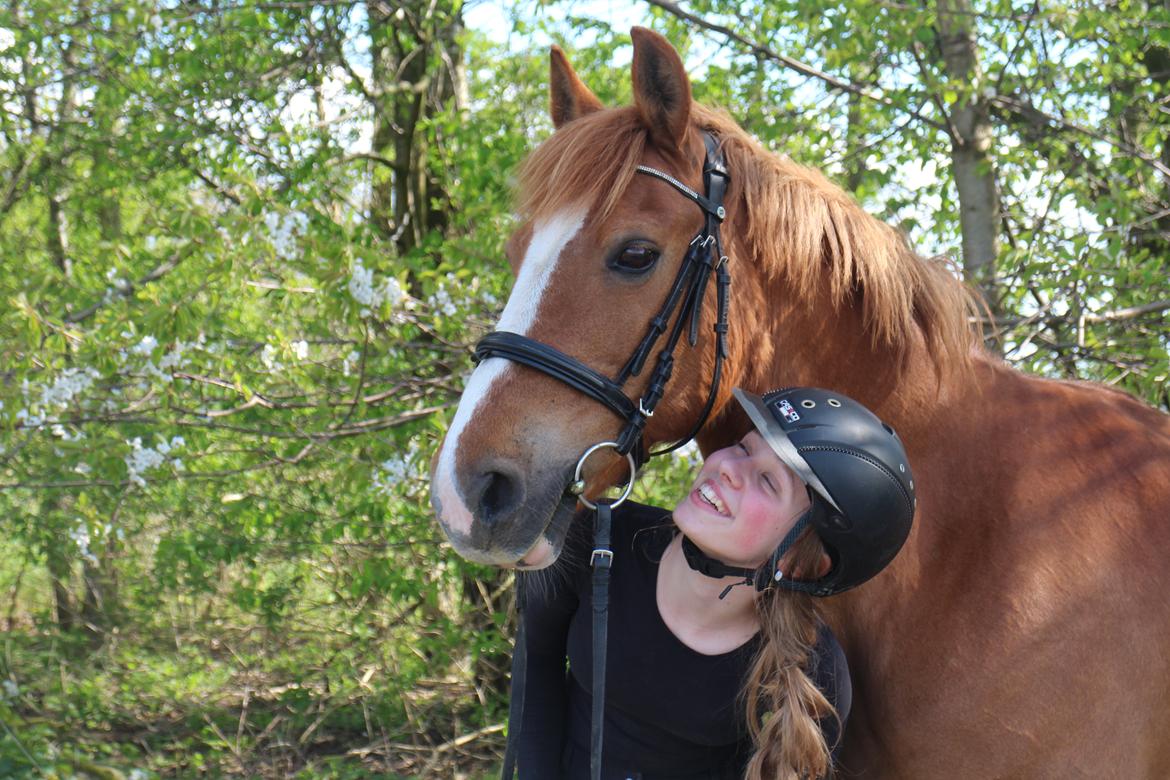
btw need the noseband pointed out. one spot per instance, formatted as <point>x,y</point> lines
<point>704,255</point>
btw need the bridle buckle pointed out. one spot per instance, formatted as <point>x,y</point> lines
<point>601,558</point>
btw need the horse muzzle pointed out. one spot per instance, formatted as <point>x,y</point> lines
<point>498,514</point>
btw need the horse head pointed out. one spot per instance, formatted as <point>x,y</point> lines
<point>824,295</point>
<point>596,254</point>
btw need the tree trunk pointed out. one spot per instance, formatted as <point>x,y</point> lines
<point>854,135</point>
<point>971,160</point>
<point>417,73</point>
<point>61,574</point>
<point>1135,119</point>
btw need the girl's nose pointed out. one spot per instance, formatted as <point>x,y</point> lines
<point>730,471</point>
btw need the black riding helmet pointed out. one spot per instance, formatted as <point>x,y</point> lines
<point>858,477</point>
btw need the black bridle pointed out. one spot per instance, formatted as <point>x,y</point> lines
<point>704,255</point>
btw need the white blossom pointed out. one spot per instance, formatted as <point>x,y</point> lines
<point>61,432</point>
<point>284,230</point>
<point>268,357</point>
<point>174,358</point>
<point>441,302</point>
<point>146,346</point>
<point>300,349</point>
<point>392,472</point>
<point>70,383</point>
<point>28,420</point>
<point>364,288</point>
<point>11,689</point>
<point>80,537</point>
<point>143,459</point>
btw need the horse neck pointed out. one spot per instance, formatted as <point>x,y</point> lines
<point>820,345</point>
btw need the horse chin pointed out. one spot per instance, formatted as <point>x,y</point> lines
<point>551,541</point>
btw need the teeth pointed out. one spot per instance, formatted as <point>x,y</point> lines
<point>712,498</point>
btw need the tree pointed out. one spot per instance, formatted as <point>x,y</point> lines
<point>1026,117</point>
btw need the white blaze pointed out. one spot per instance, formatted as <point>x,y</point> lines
<point>549,239</point>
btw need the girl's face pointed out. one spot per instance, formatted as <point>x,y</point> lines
<point>742,504</point>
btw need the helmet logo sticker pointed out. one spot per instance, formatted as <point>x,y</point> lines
<point>789,413</point>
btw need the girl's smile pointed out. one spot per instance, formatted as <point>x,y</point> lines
<point>743,502</point>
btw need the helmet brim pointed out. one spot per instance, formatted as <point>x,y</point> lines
<point>777,439</point>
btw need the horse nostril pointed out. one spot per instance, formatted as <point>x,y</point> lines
<point>499,497</point>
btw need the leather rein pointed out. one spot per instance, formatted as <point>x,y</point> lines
<point>704,255</point>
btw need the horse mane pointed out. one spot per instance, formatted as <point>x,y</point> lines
<point>795,223</point>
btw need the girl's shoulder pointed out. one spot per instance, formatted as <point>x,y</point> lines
<point>830,672</point>
<point>642,528</point>
<point>638,531</point>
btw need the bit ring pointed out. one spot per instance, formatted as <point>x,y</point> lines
<point>629,485</point>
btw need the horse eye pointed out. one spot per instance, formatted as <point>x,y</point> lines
<point>636,258</point>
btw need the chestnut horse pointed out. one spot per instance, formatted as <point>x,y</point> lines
<point>1024,630</point>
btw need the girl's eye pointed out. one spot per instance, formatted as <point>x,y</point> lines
<point>743,447</point>
<point>768,482</point>
<point>635,258</point>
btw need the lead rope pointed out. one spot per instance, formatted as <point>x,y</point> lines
<point>600,562</point>
<point>519,678</point>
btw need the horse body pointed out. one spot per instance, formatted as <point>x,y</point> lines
<point>1021,632</point>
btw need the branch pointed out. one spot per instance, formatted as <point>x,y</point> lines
<point>1128,313</point>
<point>159,272</point>
<point>805,70</point>
<point>1036,117</point>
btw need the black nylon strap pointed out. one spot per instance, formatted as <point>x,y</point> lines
<point>711,567</point>
<point>519,679</point>
<point>765,576</point>
<point>601,561</point>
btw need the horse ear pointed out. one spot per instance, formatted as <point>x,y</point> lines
<point>569,97</point>
<point>662,91</point>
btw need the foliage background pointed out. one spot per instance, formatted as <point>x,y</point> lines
<point>245,248</point>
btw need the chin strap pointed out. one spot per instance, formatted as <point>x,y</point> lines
<point>710,567</point>
<point>766,575</point>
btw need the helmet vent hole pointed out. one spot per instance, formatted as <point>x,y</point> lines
<point>889,430</point>
<point>808,404</point>
<point>833,402</point>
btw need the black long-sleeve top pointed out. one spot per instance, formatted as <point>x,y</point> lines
<point>671,712</point>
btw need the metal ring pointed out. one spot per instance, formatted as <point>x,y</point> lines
<point>629,486</point>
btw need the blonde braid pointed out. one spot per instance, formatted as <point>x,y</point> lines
<point>783,703</point>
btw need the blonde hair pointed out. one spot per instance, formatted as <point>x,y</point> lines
<point>784,705</point>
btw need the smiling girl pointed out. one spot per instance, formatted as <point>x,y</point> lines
<point>707,679</point>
